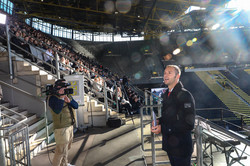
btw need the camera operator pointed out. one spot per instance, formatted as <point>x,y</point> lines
<point>62,109</point>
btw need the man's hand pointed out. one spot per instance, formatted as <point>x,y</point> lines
<point>157,122</point>
<point>63,97</point>
<point>156,129</point>
<point>66,99</point>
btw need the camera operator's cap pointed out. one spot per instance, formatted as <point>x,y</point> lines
<point>61,83</point>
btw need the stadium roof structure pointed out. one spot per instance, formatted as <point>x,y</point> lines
<point>134,17</point>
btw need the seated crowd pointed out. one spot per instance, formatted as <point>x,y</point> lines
<point>25,37</point>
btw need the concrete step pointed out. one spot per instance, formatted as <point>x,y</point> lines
<point>5,104</point>
<point>38,145</point>
<point>47,79</point>
<point>93,106</point>
<point>4,58</point>
<point>23,73</point>
<point>39,131</point>
<point>99,118</point>
<point>35,123</point>
<point>3,52</point>
<point>36,127</point>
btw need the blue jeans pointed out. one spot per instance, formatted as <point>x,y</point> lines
<point>180,161</point>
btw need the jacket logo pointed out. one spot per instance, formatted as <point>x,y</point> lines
<point>187,105</point>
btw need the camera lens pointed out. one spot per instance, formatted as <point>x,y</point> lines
<point>68,91</point>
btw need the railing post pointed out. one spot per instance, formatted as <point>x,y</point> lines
<point>159,108</point>
<point>151,103</point>
<point>142,125</point>
<point>199,152</point>
<point>46,121</point>
<point>57,67</point>
<point>8,48</point>
<point>152,141</point>
<point>27,145</point>
<point>242,122</point>
<point>222,117</point>
<point>146,100</point>
<point>106,101</point>
<point>117,102</point>
<point>2,148</point>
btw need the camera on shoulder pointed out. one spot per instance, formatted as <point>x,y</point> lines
<point>53,90</point>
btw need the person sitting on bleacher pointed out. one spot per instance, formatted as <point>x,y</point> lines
<point>26,47</point>
<point>16,42</point>
<point>136,104</point>
<point>97,86</point>
<point>127,106</point>
<point>48,57</point>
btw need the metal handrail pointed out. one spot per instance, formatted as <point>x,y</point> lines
<point>219,128</point>
<point>102,94</point>
<point>216,127</point>
<point>149,107</point>
<point>34,97</point>
<point>20,90</point>
<point>205,109</point>
<point>153,94</point>
<point>18,121</point>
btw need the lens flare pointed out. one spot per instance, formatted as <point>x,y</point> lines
<point>187,21</point>
<point>167,21</point>
<point>167,57</point>
<point>205,2</point>
<point>164,39</point>
<point>176,51</point>
<point>189,43</point>
<point>135,2</point>
<point>194,40</point>
<point>123,6</point>
<point>149,63</point>
<point>181,40</point>
<point>109,6</point>
<point>186,60</point>
<point>138,75</point>
<point>136,57</point>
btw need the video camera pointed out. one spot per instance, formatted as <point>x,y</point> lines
<point>53,90</point>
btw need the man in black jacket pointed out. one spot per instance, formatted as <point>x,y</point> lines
<point>177,120</point>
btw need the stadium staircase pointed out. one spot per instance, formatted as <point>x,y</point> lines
<point>30,78</point>
<point>95,113</point>
<point>235,88</point>
<point>36,127</point>
<point>234,98</point>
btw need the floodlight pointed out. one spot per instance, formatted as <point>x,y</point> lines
<point>176,51</point>
<point>2,18</point>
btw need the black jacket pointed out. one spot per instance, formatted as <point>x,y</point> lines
<point>177,121</point>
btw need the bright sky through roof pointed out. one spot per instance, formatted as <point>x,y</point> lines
<point>239,4</point>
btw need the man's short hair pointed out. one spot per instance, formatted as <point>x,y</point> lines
<point>176,68</point>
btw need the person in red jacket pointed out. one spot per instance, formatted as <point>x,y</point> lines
<point>177,120</point>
